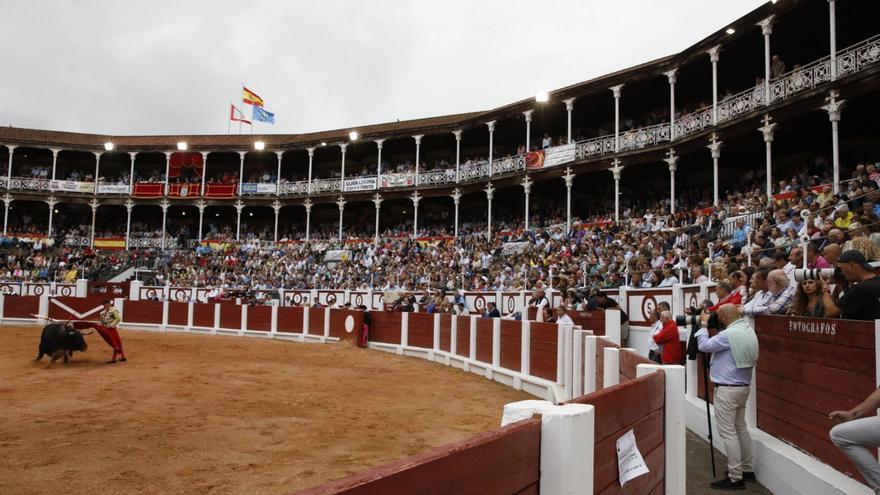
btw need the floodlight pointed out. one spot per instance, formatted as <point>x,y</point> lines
<point>542,96</point>
<point>259,146</point>
<point>730,31</point>
<point>108,146</point>
<point>353,135</point>
<point>181,146</point>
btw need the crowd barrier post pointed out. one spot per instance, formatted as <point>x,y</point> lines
<point>453,340</point>
<point>163,327</point>
<point>677,306</point>
<point>472,339</point>
<point>189,314</point>
<point>305,324</point>
<point>496,343</point>
<point>568,437</point>
<point>404,332</point>
<point>44,308</point>
<point>134,290</point>
<point>590,364</point>
<point>525,353</point>
<point>82,287</point>
<point>577,380</point>
<point>244,319</point>
<point>326,322</point>
<point>612,325</point>
<point>752,402</point>
<point>611,367</point>
<point>435,342</point>
<point>216,315</point>
<point>2,303</point>
<point>273,325</point>
<point>674,416</point>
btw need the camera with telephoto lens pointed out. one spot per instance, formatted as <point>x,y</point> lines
<point>693,320</point>
<point>802,274</point>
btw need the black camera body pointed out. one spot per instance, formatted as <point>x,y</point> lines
<point>693,320</point>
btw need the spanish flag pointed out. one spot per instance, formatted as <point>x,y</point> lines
<point>249,96</point>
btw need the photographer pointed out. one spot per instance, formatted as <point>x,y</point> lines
<point>858,436</point>
<point>862,300</point>
<point>734,354</point>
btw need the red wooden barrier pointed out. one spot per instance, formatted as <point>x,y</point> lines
<point>149,190</point>
<point>637,405</point>
<point>290,319</point>
<point>178,313</point>
<point>230,316</point>
<point>445,332</point>
<point>346,324</point>
<point>259,318</point>
<point>807,368</point>
<point>316,321</point>
<point>203,315</point>
<point>146,312</point>
<point>75,308</point>
<point>629,360</point>
<point>421,330</point>
<point>499,462</point>
<point>463,335</point>
<point>590,320</point>
<point>511,345</point>
<point>601,344</point>
<point>385,327</point>
<point>543,347</point>
<point>484,340</point>
<point>20,306</point>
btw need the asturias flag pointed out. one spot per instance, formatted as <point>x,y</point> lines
<point>249,96</point>
<point>261,115</point>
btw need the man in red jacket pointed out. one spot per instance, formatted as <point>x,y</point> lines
<point>669,340</point>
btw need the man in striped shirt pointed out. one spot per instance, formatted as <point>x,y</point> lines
<point>778,298</point>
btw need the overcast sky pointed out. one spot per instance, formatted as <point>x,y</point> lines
<point>172,67</point>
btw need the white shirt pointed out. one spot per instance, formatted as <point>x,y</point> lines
<point>655,329</point>
<point>669,282</point>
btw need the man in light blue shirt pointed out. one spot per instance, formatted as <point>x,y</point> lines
<point>734,354</point>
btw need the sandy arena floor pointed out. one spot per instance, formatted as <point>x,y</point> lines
<point>211,415</point>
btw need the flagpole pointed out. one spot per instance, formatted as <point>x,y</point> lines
<point>242,107</point>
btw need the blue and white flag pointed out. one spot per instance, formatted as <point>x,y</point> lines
<point>261,115</point>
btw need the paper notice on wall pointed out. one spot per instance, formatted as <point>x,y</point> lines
<point>629,460</point>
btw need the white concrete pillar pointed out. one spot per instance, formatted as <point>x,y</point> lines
<point>616,170</point>
<point>415,199</point>
<point>54,161</point>
<point>204,172</point>
<point>766,30</point>
<point>457,153</point>
<point>569,182</point>
<point>456,199</point>
<point>239,206</point>
<point>342,148</point>
<point>276,205</point>
<point>164,205</point>
<point>168,168</point>
<point>569,107</point>
<point>767,130</point>
<point>377,201</point>
<point>11,148</point>
<point>94,205</point>
<point>715,150</point>
<point>279,155</point>
<point>610,367</point>
<point>7,201</point>
<point>616,91</point>
<point>567,432</point>
<point>51,201</point>
<point>528,115</point>
<point>379,162</point>
<point>97,169</point>
<point>340,202</point>
<point>129,205</point>
<point>833,108</point>
<point>713,57</point>
<point>241,155</point>
<point>490,191</point>
<point>671,76</point>
<point>491,126</point>
<point>418,140</point>
<point>832,20</point>
<point>200,204</point>
<point>311,158</point>
<point>672,161</point>
<point>527,188</point>
<point>132,156</point>
<point>308,205</point>
<point>674,428</point>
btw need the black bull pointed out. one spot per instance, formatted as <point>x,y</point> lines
<point>59,340</point>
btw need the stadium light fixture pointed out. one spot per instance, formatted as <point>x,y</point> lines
<point>542,96</point>
<point>353,135</point>
<point>56,210</point>
<point>259,146</point>
<point>730,31</point>
<point>108,146</point>
<point>251,213</point>
<point>181,146</point>
<point>323,143</point>
<point>183,213</point>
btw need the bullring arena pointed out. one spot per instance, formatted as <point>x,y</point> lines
<point>495,302</point>
<point>203,414</point>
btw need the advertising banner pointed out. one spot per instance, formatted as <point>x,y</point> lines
<point>360,184</point>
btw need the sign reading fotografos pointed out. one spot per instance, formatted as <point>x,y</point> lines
<point>360,184</point>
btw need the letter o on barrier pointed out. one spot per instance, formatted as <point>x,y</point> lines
<point>349,324</point>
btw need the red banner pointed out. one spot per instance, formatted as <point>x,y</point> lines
<point>535,159</point>
<point>149,190</point>
<point>220,190</point>
<point>184,190</point>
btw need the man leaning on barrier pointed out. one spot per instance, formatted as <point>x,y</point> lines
<point>858,436</point>
<point>734,354</point>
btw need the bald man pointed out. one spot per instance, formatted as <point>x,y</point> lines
<point>777,300</point>
<point>734,354</point>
